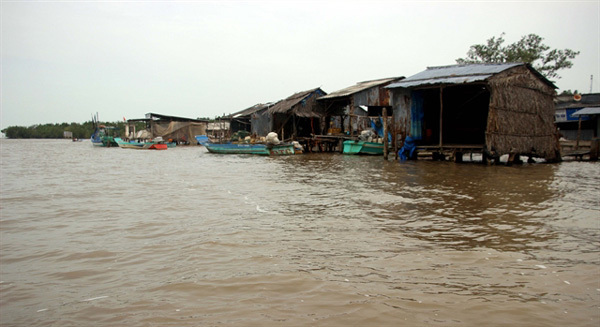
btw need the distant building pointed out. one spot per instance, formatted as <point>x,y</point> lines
<point>219,129</point>
<point>566,107</point>
<point>178,129</point>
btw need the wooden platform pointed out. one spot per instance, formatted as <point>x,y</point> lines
<point>582,150</point>
<point>452,152</point>
<point>324,143</point>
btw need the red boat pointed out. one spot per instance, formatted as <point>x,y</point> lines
<point>158,146</point>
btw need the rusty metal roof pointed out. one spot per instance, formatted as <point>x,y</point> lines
<point>459,74</point>
<point>155,116</point>
<point>289,104</point>
<point>358,87</point>
<point>251,110</point>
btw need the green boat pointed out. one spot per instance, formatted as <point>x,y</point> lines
<point>260,149</point>
<point>361,147</point>
<point>103,136</point>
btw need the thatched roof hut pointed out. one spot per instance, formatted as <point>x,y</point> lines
<point>295,116</point>
<point>503,108</point>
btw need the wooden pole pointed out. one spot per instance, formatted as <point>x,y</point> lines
<point>578,134</point>
<point>295,133</point>
<point>441,114</point>
<point>385,139</point>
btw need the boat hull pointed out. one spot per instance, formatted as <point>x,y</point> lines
<point>106,141</point>
<point>257,149</point>
<point>360,147</point>
<point>140,146</point>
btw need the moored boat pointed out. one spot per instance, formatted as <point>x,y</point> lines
<point>103,136</point>
<point>244,148</point>
<point>152,145</point>
<point>362,147</point>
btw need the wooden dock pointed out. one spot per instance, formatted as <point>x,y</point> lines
<point>324,143</point>
<point>580,150</point>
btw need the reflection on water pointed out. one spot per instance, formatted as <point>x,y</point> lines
<point>184,237</point>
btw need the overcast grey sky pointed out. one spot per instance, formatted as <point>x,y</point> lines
<point>64,60</point>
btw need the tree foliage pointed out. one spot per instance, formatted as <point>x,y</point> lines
<point>55,131</point>
<point>529,49</point>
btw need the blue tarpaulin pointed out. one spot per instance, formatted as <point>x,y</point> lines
<point>408,150</point>
<point>377,126</point>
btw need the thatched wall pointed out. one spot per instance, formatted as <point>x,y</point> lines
<point>521,115</point>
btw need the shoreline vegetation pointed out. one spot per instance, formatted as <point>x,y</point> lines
<point>56,131</point>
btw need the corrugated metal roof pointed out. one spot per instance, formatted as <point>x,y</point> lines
<point>454,74</point>
<point>286,105</point>
<point>358,88</point>
<point>587,111</point>
<point>155,116</point>
<point>251,110</point>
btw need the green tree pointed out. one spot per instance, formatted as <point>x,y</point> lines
<point>55,131</point>
<point>530,49</point>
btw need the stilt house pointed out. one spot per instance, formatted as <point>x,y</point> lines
<point>299,115</point>
<point>347,108</point>
<point>494,109</point>
<point>254,120</point>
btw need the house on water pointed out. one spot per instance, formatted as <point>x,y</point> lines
<point>254,120</point>
<point>178,129</point>
<point>346,110</point>
<point>297,116</point>
<point>492,109</point>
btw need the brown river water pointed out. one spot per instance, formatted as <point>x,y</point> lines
<point>115,237</point>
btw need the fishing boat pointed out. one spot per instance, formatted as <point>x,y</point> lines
<point>202,139</point>
<point>151,145</point>
<point>246,148</point>
<point>103,136</point>
<point>362,147</point>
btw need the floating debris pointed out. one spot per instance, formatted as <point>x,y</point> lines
<point>95,298</point>
<point>541,266</point>
<point>259,209</point>
<point>42,310</point>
